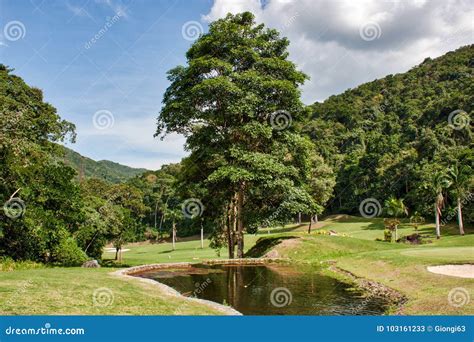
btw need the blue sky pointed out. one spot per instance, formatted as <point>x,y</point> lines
<point>103,63</point>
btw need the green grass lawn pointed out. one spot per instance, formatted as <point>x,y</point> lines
<point>33,290</point>
<point>187,251</point>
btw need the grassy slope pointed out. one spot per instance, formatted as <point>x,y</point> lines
<point>402,267</point>
<point>399,266</point>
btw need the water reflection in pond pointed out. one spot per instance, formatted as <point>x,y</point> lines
<point>270,289</point>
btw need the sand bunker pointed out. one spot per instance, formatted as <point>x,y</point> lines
<point>462,271</point>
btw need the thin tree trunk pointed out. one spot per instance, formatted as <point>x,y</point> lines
<point>310,224</point>
<point>299,218</point>
<point>460,222</point>
<point>116,253</point>
<point>316,218</point>
<point>174,235</point>
<point>240,222</point>
<point>202,236</point>
<point>438,231</point>
<point>230,233</point>
<point>161,224</point>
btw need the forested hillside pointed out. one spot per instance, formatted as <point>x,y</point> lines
<point>392,137</point>
<point>102,169</point>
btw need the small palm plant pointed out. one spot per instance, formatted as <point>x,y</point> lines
<point>395,208</point>
<point>416,220</point>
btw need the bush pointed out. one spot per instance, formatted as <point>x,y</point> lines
<point>387,235</point>
<point>67,253</point>
<point>7,264</point>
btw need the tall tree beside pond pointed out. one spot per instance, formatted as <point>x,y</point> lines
<point>235,101</point>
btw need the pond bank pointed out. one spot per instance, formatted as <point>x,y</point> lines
<point>128,273</point>
<point>376,289</point>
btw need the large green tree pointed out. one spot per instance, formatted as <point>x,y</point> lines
<point>41,201</point>
<point>235,101</point>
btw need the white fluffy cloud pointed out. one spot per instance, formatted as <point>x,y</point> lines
<point>343,43</point>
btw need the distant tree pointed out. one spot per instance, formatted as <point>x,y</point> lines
<point>395,208</point>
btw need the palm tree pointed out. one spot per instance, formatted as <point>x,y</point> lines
<point>460,178</point>
<point>439,183</point>
<point>395,208</point>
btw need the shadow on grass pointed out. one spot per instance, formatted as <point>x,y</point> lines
<point>263,245</point>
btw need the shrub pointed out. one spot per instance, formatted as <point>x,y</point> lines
<point>67,253</point>
<point>387,235</point>
<point>7,264</point>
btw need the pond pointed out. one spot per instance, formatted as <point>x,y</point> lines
<point>272,289</point>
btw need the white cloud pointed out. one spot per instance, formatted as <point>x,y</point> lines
<point>327,37</point>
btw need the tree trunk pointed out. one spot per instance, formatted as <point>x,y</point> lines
<point>230,227</point>
<point>310,224</point>
<point>240,222</point>
<point>202,237</point>
<point>316,218</point>
<point>299,218</point>
<point>460,222</point>
<point>116,253</point>
<point>161,225</point>
<point>438,231</point>
<point>174,235</point>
